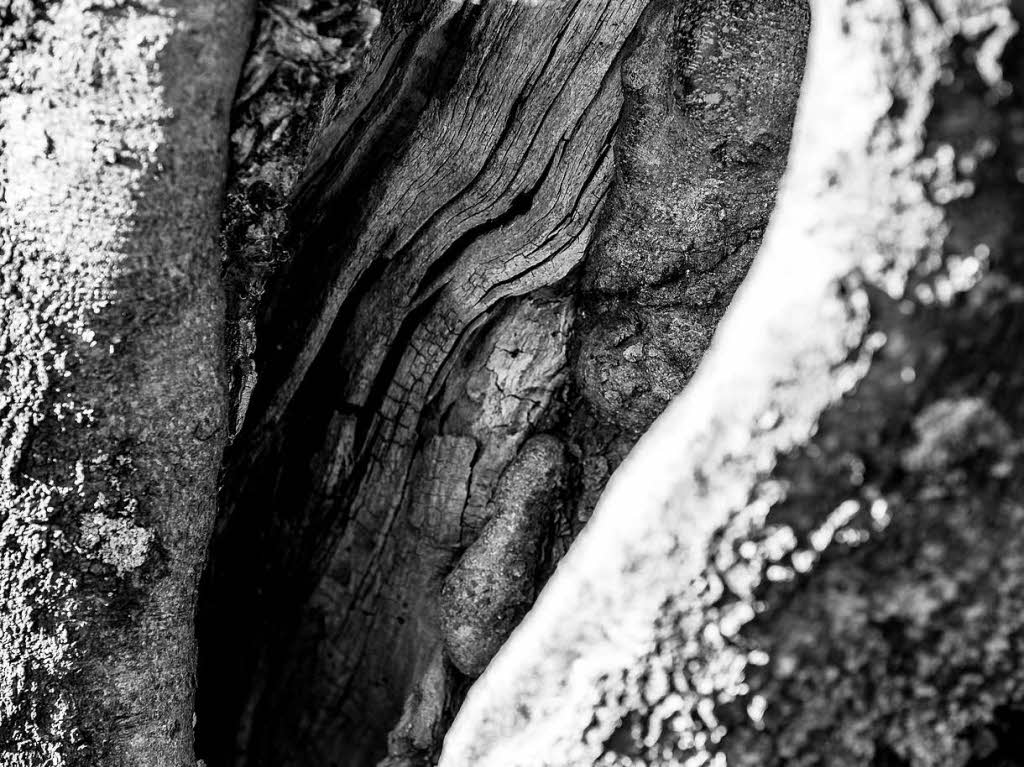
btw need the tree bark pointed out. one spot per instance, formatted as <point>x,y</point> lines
<point>517,228</point>
<point>113,126</point>
<point>813,555</point>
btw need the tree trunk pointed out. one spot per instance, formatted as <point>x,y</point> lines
<point>814,555</point>
<point>113,127</point>
<point>473,251</point>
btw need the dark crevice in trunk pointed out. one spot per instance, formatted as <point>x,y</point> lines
<point>444,237</point>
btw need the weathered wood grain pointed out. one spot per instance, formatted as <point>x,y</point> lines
<point>425,329</point>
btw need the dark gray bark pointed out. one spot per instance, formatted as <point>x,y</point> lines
<point>517,228</point>
<point>113,126</point>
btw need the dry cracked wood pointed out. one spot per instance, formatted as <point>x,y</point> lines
<point>458,187</point>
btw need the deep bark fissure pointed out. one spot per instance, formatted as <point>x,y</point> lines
<point>400,444</point>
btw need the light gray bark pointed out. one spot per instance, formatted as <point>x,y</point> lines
<point>113,128</point>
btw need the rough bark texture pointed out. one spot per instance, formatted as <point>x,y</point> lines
<point>517,228</point>
<point>468,266</point>
<point>814,556</point>
<point>113,126</point>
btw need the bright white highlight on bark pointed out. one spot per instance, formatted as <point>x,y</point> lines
<point>776,365</point>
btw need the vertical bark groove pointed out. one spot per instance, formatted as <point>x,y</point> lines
<point>426,335</point>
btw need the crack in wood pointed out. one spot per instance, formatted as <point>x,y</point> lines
<point>424,333</point>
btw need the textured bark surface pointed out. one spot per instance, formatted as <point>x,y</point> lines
<point>813,557</point>
<point>517,228</point>
<point>113,128</point>
<point>468,265</point>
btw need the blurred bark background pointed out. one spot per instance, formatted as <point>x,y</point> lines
<point>515,229</point>
<point>813,557</point>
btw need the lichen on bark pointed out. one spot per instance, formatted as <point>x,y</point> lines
<point>113,120</point>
